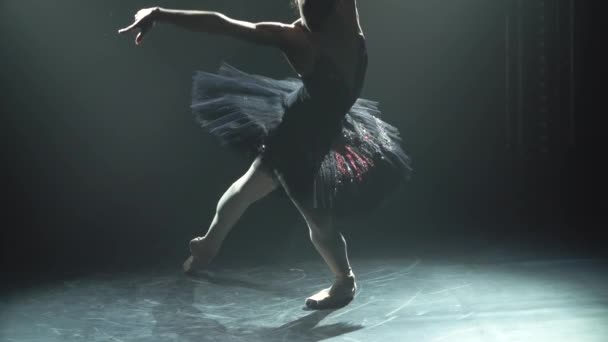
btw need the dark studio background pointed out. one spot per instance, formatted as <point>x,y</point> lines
<point>104,168</point>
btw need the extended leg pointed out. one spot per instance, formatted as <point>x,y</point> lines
<point>252,186</point>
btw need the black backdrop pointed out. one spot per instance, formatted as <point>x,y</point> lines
<point>102,161</point>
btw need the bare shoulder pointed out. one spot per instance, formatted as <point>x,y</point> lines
<point>288,35</point>
<point>297,36</point>
<point>300,48</point>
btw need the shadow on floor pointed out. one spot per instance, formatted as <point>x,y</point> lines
<point>178,319</point>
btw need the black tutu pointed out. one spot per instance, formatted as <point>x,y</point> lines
<point>342,158</point>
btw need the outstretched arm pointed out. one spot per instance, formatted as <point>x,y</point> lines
<point>264,33</point>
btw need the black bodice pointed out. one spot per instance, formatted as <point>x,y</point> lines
<point>327,83</point>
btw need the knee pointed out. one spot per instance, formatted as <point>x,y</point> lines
<point>253,186</point>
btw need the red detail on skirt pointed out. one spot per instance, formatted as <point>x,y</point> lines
<point>351,163</point>
<point>341,164</point>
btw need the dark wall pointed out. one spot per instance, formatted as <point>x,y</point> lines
<point>102,159</point>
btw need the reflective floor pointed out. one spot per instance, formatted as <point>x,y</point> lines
<point>399,299</point>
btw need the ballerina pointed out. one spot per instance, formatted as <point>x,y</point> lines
<point>311,135</point>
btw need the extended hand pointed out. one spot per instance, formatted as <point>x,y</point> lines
<point>144,21</point>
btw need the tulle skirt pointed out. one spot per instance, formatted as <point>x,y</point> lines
<point>346,162</point>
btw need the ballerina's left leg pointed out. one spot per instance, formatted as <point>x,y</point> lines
<point>252,186</point>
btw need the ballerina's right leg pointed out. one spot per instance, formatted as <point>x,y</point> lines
<point>331,245</point>
<point>252,186</point>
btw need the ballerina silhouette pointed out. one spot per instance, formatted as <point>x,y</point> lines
<point>311,135</point>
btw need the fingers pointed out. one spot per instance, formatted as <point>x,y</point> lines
<point>128,28</point>
<point>140,36</point>
<point>143,22</point>
<point>143,30</point>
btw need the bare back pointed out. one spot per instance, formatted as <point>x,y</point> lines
<point>340,40</point>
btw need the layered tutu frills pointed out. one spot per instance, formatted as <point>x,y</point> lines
<point>364,164</point>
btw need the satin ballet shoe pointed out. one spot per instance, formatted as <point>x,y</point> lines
<point>339,295</point>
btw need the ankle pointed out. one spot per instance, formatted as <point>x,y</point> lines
<point>348,276</point>
<point>204,244</point>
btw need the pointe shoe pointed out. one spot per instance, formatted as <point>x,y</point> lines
<point>340,294</point>
<point>202,254</point>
